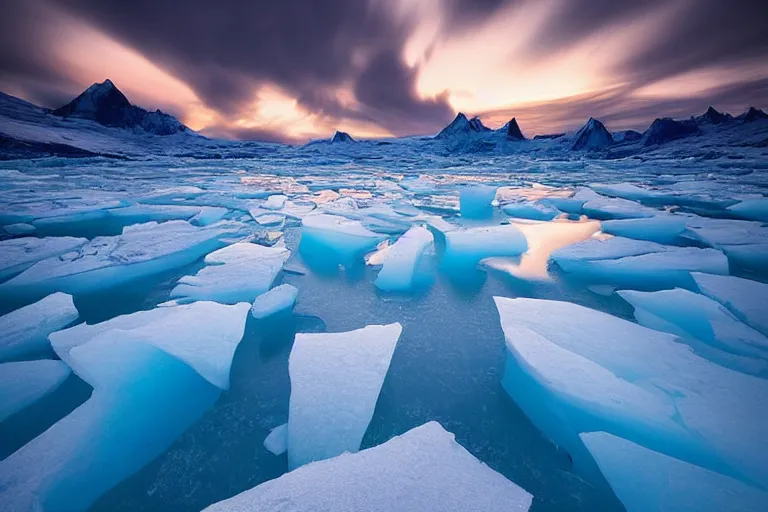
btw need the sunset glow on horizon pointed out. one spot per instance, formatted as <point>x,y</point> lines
<point>407,73</point>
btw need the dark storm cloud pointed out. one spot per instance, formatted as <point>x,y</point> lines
<point>223,51</point>
<point>239,133</point>
<point>701,33</point>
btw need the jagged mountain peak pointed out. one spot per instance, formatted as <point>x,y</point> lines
<point>104,103</point>
<point>513,130</point>
<point>340,136</point>
<point>592,136</point>
<point>462,126</point>
<point>713,116</point>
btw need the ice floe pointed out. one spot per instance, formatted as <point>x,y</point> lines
<point>237,273</point>
<point>335,383</point>
<point>278,299</point>
<point>23,383</point>
<point>25,331</point>
<point>399,271</point>
<point>423,469</point>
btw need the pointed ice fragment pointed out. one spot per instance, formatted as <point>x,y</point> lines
<point>278,299</point>
<point>277,440</point>
<point>402,259</point>
<point>335,383</point>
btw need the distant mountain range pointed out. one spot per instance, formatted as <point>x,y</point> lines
<point>102,122</point>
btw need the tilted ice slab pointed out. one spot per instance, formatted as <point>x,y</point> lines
<point>573,369</point>
<point>637,263</point>
<point>423,469</point>
<point>647,480</point>
<point>465,248</point>
<point>616,208</point>
<point>278,299</point>
<point>684,313</point>
<point>402,259</point>
<point>204,335</point>
<point>335,383</point>
<point>237,273</point>
<point>277,440</point>
<point>753,209</point>
<point>745,298</point>
<point>275,202</point>
<point>103,262</point>
<point>25,382</point>
<point>21,253</point>
<point>20,228</point>
<point>745,242</point>
<point>662,228</point>
<point>531,210</point>
<point>154,373</point>
<point>25,331</point>
<point>344,239</point>
<point>475,201</point>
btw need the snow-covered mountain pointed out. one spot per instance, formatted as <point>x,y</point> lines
<point>592,136</point>
<point>105,104</point>
<point>102,122</point>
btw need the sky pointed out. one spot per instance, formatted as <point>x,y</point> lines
<point>294,70</point>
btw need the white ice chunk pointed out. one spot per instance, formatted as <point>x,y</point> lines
<point>421,470</point>
<point>237,273</point>
<point>21,253</point>
<point>275,202</point>
<point>637,263</point>
<point>753,209</point>
<point>573,369</point>
<point>662,228</point>
<point>401,260</point>
<point>277,440</point>
<point>745,298</point>
<point>465,248</point>
<point>208,215</point>
<point>25,382</point>
<point>688,314</point>
<point>20,228</point>
<point>279,298</point>
<point>204,335</point>
<point>141,250</point>
<point>335,383</point>
<point>646,480</point>
<point>345,239</point>
<point>25,331</point>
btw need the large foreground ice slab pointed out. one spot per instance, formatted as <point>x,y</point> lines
<point>636,263</point>
<point>402,259</point>
<point>154,373</point>
<point>204,335</point>
<point>237,273</point>
<point>334,238</point>
<point>745,242</point>
<point>745,298</point>
<point>141,250</point>
<point>573,369</point>
<point>690,315</point>
<point>646,480</point>
<point>335,383</point>
<point>25,331</point>
<point>21,253</point>
<point>475,201</point>
<point>23,383</point>
<point>423,469</point>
